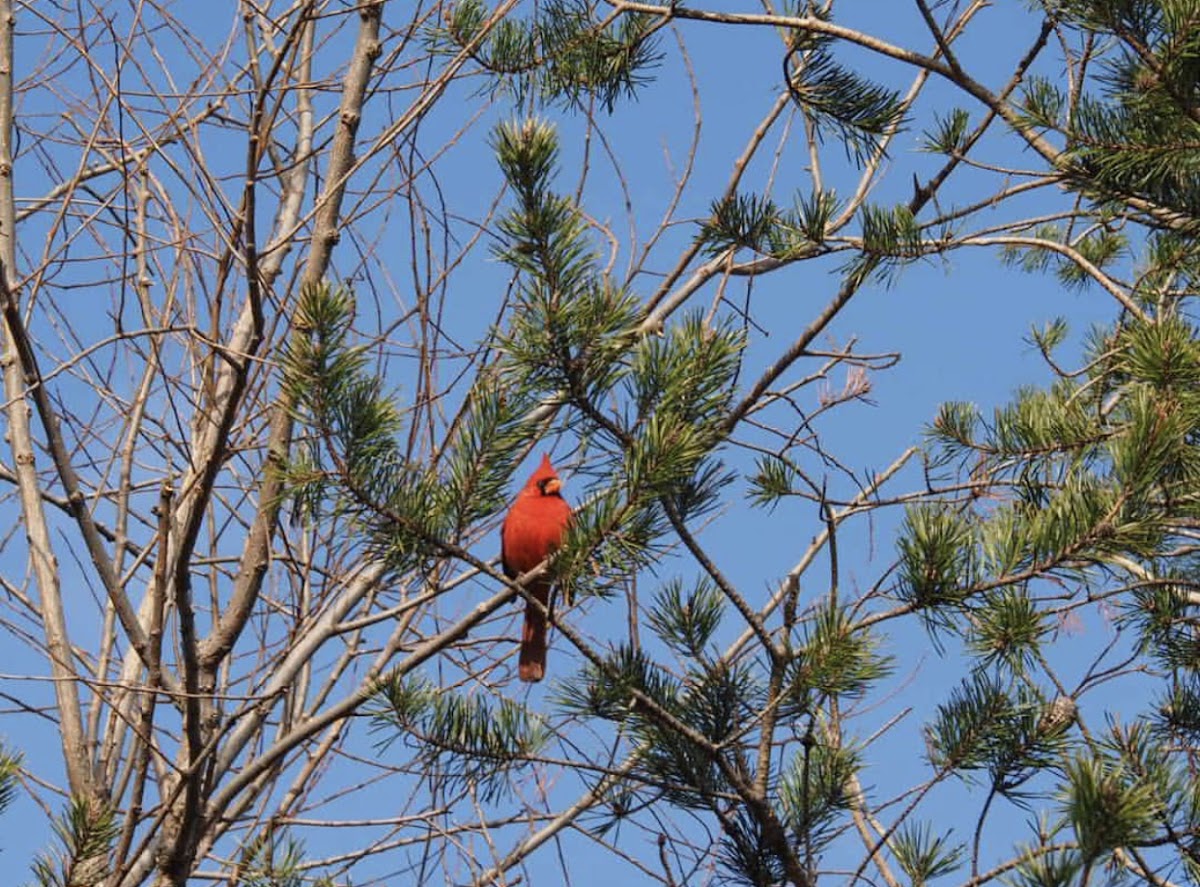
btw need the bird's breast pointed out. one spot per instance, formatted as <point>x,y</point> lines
<point>531,534</point>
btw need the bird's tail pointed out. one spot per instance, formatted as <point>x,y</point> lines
<point>532,664</point>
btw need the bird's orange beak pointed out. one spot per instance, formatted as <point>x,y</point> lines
<point>552,486</point>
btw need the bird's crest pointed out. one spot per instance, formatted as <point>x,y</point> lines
<point>544,470</point>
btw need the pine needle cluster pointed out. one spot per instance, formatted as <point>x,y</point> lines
<point>835,98</point>
<point>86,833</point>
<point>563,52</point>
<point>274,858</point>
<point>1138,134</point>
<point>9,767</point>
<point>462,739</point>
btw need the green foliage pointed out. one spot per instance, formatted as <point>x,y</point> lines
<point>1117,800</point>
<point>1040,421</point>
<point>960,736</point>
<point>1052,334</point>
<point>937,558</point>
<point>773,480</point>
<point>987,726</point>
<point>1043,101</point>
<point>1099,247</point>
<point>628,688</point>
<point>665,456</point>
<point>1163,617</point>
<point>1164,355</point>
<point>1169,270</point>
<point>1039,867</point>
<point>10,766</point>
<point>327,378</point>
<point>691,732</point>
<point>816,790</point>
<point>955,427</point>
<point>1063,484</point>
<point>1036,259</point>
<point>1089,482</point>
<point>1071,519</point>
<point>465,739</point>
<point>891,238</point>
<point>1006,630</point>
<point>743,220</point>
<point>686,621</point>
<point>745,853</point>
<point>571,325</point>
<point>1177,714</point>
<point>859,112</point>
<point>608,539</point>
<point>949,134</point>
<point>890,231</point>
<point>481,453</point>
<point>1136,137</point>
<point>86,833</point>
<point>712,701</point>
<point>1078,494</point>
<point>686,374</point>
<point>750,221</point>
<point>716,700</point>
<point>1097,465</point>
<point>563,53</point>
<point>276,859</point>
<point>608,691</point>
<point>1154,452</point>
<point>836,659</point>
<point>922,855</point>
<point>813,213</point>
<point>334,393</point>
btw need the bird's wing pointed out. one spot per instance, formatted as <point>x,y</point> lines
<point>508,571</point>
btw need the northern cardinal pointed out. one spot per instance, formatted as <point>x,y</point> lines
<point>533,529</point>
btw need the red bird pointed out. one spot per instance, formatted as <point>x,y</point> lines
<point>532,530</point>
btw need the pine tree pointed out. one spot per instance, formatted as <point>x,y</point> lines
<point>1080,492</point>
